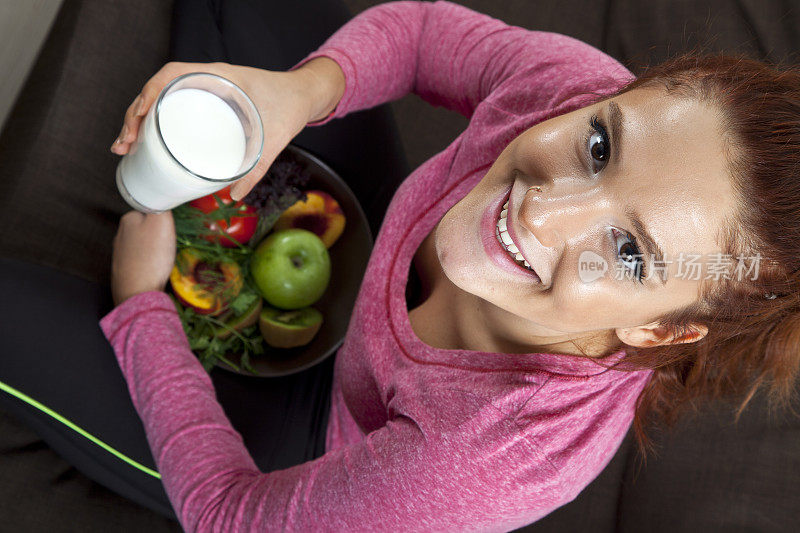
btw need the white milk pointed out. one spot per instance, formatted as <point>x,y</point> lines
<point>202,132</point>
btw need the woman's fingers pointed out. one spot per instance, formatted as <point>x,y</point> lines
<point>144,254</point>
<point>130,127</point>
<point>132,118</point>
<point>153,87</point>
<point>240,189</point>
<point>270,151</point>
<point>275,94</point>
<point>143,101</point>
<point>277,135</point>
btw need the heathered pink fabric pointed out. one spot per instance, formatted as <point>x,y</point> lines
<point>419,439</point>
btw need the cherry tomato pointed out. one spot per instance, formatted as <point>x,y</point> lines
<point>241,228</point>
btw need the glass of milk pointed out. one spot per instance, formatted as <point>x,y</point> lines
<point>202,134</point>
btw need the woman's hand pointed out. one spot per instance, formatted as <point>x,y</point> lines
<point>144,253</point>
<point>286,101</point>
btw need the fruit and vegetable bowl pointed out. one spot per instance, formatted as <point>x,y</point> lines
<point>266,286</point>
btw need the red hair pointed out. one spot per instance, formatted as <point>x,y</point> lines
<point>752,341</point>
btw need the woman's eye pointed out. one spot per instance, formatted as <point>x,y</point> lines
<point>629,254</point>
<point>598,145</point>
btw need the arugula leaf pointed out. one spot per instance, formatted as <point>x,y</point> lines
<point>199,343</point>
<point>212,350</point>
<point>242,303</point>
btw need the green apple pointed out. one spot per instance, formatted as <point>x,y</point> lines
<point>291,268</point>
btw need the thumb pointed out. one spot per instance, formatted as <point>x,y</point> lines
<point>162,219</point>
<point>244,185</point>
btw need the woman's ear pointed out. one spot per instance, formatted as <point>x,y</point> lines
<point>654,334</point>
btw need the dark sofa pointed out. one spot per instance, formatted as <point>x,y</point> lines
<point>710,475</point>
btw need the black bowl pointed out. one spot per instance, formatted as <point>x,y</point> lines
<point>349,256</point>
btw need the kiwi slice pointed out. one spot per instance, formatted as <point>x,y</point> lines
<point>288,329</point>
<point>248,318</point>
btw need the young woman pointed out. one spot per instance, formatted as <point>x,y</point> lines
<point>553,242</point>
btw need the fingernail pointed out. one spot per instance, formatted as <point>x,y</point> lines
<point>235,195</point>
<point>123,134</point>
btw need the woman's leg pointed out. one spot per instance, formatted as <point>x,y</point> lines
<point>74,395</point>
<point>59,375</point>
<point>55,357</point>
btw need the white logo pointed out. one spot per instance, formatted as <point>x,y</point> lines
<point>591,266</point>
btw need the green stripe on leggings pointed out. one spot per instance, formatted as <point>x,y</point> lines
<point>27,399</point>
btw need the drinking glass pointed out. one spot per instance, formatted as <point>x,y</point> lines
<point>151,179</point>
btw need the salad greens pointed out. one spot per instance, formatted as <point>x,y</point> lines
<point>278,190</point>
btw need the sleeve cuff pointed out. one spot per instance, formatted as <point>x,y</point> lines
<point>133,306</point>
<point>350,80</point>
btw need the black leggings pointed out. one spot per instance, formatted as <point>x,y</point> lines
<point>63,381</point>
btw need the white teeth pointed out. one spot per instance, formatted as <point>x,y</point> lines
<point>501,231</point>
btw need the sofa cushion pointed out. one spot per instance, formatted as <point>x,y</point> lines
<point>645,33</point>
<point>713,475</point>
<point>97,56</point>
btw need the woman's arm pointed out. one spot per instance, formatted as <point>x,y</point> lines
<point>447,459</point>
<point>450,56</point>
<point>404,476</point>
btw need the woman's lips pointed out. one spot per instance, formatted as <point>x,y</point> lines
<point>492,246</point>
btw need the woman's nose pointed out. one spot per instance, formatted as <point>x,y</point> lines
<point>559,211</point>
<point>567,199</point>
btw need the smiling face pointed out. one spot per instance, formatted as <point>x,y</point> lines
<point>611,176</point>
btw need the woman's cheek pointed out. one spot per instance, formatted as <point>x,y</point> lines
<point>576,306</point>
<point>453,251</point>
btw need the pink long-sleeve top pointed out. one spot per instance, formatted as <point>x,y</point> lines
<point>419,438</point>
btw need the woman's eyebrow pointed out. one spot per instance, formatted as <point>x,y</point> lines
<point>650,245</point>
<point>617,131</point>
